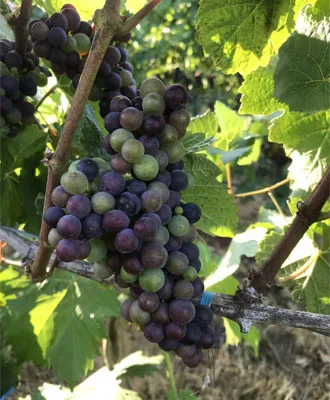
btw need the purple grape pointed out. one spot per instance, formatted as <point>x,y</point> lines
<point>151,201</point>
<point>164,177</point>
<point>191,251</point>
<point>132,266</point>
<point>137,103</point>
<point>115,220</point>
<point>151,144</point>
<point>204,316</point>
<point>154,217</point>
<point>135,290</point>
<point>145,229</point>
<point>126,241</point>
<point>131,118</point>
<point>58,20</point>
<point>179,180</point>
<point>168,345</point>
<point>112,55</point>
<point>161,315</point>
<point>165,214</point>
<point>174,199</point>
<point>196,264</point>
<point>111,121</point>
<point>114,81</point>
<point>149,302</point>
<point>113,183</point>
<point>183,290</point>
<point>136,186</point>
<point>176,97</point>
<point>125,306</point>
<point>153,124</point>
<point>153,255</point>
<point>123,54</point>
<point>129,203</point>
<point>84,249</point>
<point>182,312</point>
<point>194,360</point>
<point>129,92</point>
<point>67,250</point>
<point>185,350</point>
<point>57,37</point>
<point>174,331</point>
<point>166,292</point>
<point>88,167</point>
<point>52,216</point>
<point>106,145</point>
<point>92,226</point>
<point>193,334</point>
<point>115,261</point>
<point>177,262</point>
<point>154,332</point>
<point>175,166</point>
<point>173,244</point>
<point>120,165</point>
<point>79,206</point>
<point>192,212</point>
<point>69,227</point>
<point>198,287</point>
<point>207,337</point>
<point>119,103</point>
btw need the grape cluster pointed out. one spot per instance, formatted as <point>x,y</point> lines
<point>19,79</point>
<point>127,218</point>
<point>65,40</point>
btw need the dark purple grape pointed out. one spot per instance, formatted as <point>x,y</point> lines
<point>115,261</point>
<point>111,121</point>
<point>112,55</point>
<point>183,290</point>
<point>154,332</point>
<point>194,360</point>
<point>154,217</point>
<point>120,165</point>
<point>174,331</point>
<point>13,60</point>
<point>174,199</point>
<point>92,226</point>
<point>72,59</point>
<point>145,229</point>
<point>179,180</point>
<point>115,220</point>
<point>182,312</point>
<point>6,105</point>
<point>58,56</point>
<point>168,345</point>
<point>204,316</point>
<point>166,292</point>
<point>191,251</point>
<point>58,20</point>
<point>136,186</point>
<point>84,249</point>
<point>185,350</point>
<point>129,92</point>
<point>173,244</point>
<point>67,250</point>
<point>135,290</point>
<point>207,337</point>
<point>79,206</point>
<point>128,66</point>
<point>125,306</point>
<point>106,145</point>
<point>149,302</point>
<point>137,103</point>
<point>9,84</point>
<point>164,177</point>
<point>165,214</point>
<point>69,227</point>
<point>114,81</point>
<point>113,183</point>
<point>153,124</point>
<point>52,216</point>
<point>129,203</point>
<point>151,201</point>
<point>198,287</point>
<point>176,97</point>
<point>85,28</point>
<point>175,166</point>
<point>193,334</point>
<point>73,19</point>
<point>151,144</point>
<point>126,241</point>
<point>196,264</point>
<point>119,103</point>
<point>57,37</point>
<point>123,54</point>
<point>88,167</point>
<point>39,31</point>
<point>153,255</point>
<point>192,212</point>
<point>161,315</point>
<point>132,266</point>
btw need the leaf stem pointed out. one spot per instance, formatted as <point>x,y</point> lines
<point>44,97</point>
<point>264,190</point>
<point>302,269</point>
<point>170,375</point>
<point>276,204</point>
<point>229,182</point>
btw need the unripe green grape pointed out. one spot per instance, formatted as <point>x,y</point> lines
<point>153,103</point>
<point>152,280</point>
<point>42,80</point>
<point>3,69</point>
<point>70,45</point>
<point>14,116</point>
<point>168,136</point>
<point>101,270</point>
<point>146,169</point>
<point>126,77</point>
<point>152,85</point>
<point>137,315</point>
<point>190,236</point>
<point>54,237</point>
<point>178,210</point>
<point>162,236</point>
<point>175,151</point>
<point>190,274</point>
<point>119,137</point>
<point>83,43</point>
<point>125,276</point>
<point>102,202</point>
<point>75,182</point>
<point>73,166</point>
<point>132,151</point>
<point>103,164</point>
<point>178,226</point>
<point>98,250</point>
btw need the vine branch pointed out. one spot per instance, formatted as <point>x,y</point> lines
<point>309,212</point>
<point>19,24</point>
<point>264,190</point>
<point>235,308</point>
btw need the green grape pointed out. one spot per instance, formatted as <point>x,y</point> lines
<point>3,69</point>
<point>162,236</point>
<point>175,151</point>
<point>168,136</point>
<point>146,169</point>
<point>14,116</point>
<point>101,270</point>
<point>125,276</point>
<point>190,274</point>
<point>152,280</point>
<point>73,166</point>
<point>75,182</point>
<point>178,210</point>
<point>178,226</point>
<point>98,250</point>
<point>83,43</point>
<point>132,151</point>
<point>152,85</point>
<point>70,45</point>
<point>119,137</point>
<point>153,103</point>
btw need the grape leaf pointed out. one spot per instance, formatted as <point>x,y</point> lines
<point>302,74</point>
<point>31,140</point>
<point>206,123</point>
<point>218,209</point>
<point>138,364</point>
<point>10,194</point>
<point>314,21</point>
<point>133,6</point>
<point>232,155</point>
<point>253,154</point>
<point>196,142</point>
<point>85,9</point>
<point>5,30</point>
<point>234,335</point>
<point>242,35</point>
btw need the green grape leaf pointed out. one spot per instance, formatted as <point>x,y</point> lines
<point>218,209</point>
<point>88,140</point>
<point>10,194</point>
<point>232,155</point>
<point>5,30</point>
<point>209,259</point>
<point>302,74</point>
<point>31,140</point>
<point>231,124</point>
<point>85,9</point>
<point>196,142</point>
<point>314,21</point>
<point>138,364</point>
<point>206,123</point>
<point>242,35</point>
<point>245,243</point>
<point>253,154</point>
<point>258,93</point>
<point>228,285</point>
<point>184,394</point>
<point>313,286</point>
<point>235,337</point>
<point>133,6</point>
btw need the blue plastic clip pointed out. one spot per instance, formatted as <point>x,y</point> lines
<point>10,391</point>
<point>206,299</point>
